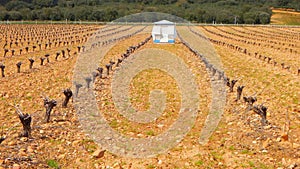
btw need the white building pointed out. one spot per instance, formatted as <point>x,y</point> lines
<point>164,32</point>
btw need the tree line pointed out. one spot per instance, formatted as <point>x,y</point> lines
<point>201,11</point>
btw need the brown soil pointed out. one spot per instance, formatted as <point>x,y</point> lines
<point>239,141</point>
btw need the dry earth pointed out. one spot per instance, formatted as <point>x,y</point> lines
<point>239,141</point>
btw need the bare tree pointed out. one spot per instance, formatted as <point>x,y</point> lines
<point>47,57</point>
<point>77,87</point>
<point>19,66</point>
<point>250,100</point>
<point>262,111</point>
<point>94,75</point>
<point>63,53</point>
<point>231,84</point>
<point>57,54</point>
<point>68,94</point>
<point>68,51</point>
<point>119,62</point>
<point>49,105</point>
<point>31,63</point>
<point>107,69</point>
<point>100,70</point>
<point>2,138</point>
<point>213,71</point>
<point>42,60</point>
<point>2,67</point>
<point>26,121</point>
<point>5,52</point>
<point>88,81</point>
<point>111,64</point>
<point>239,92</point>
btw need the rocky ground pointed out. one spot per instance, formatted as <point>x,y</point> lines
<point>240,141</point>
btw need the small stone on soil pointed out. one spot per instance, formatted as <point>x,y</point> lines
<point>98,153</point>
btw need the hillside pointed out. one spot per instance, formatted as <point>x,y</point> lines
<point>285,17</point>
<point>201,11</point>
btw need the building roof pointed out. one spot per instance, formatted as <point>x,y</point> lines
<point>164,22</point>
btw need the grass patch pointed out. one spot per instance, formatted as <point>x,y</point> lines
<point>107,103</point>
<point>114,123</point>
<point>87,141</point>
<point>151,166</point>
<point>53,164</point>
<point>295,101</point>
<point>245,151</point>
<point>216,155</point>
<point>231,148</point>
<point>169,114</point>
<point>89,145</point>
<point>29,98</point>
<point>91,148</point>
<point>251,164</point>
<point>56,142</point>
<point>264,166</point>
<point>199,163</point>
<point>150,133</point>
